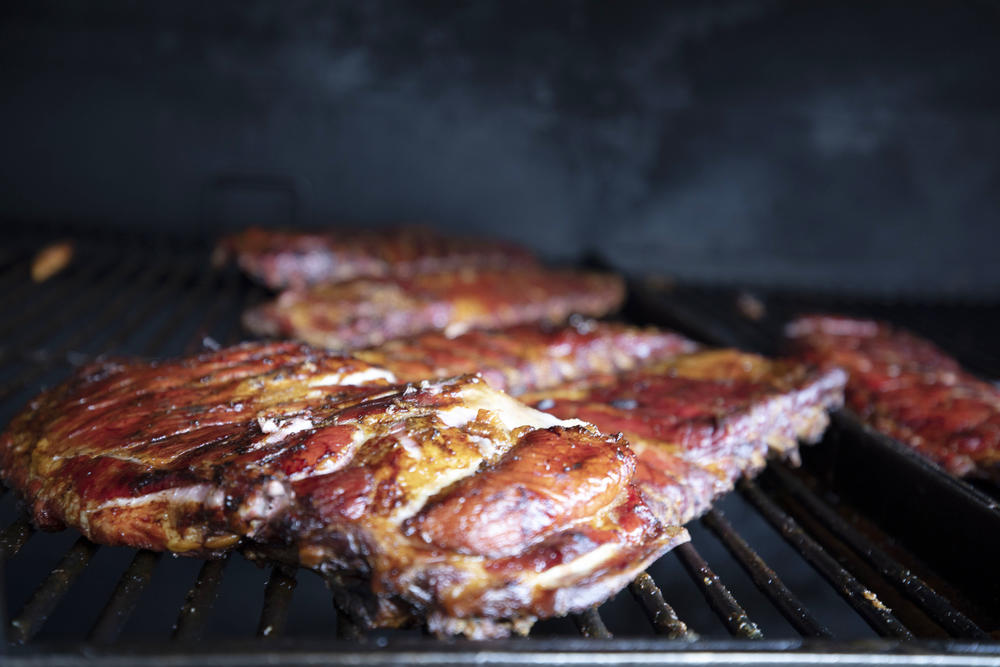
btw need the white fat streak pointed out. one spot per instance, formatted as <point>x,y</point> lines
<point>334,463</point>
<point>277,431</point>
<point>442,480</point>
<point>197,493</point>
<point>355,379</point>
<point>475,397</point>
<point>589,562</point>
<point>512,413</point>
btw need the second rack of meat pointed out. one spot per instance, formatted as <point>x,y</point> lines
<point>361,313</point>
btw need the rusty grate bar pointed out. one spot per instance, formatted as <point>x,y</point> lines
<point>661,615</point>
<point>766,579</point>
<point>200,599</point>
<point>591,625</point>
<point>277,598</point>
<point>45,599</point>
<point>125,597</point>
<point>719,598</point>
<point>864,601</point>
<point>929,600</point>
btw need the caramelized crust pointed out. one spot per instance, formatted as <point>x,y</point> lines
<point>548,480</point>
<point>321,460</point>
<point>700,421</point>
<point>362,313</point>
<point>910,390</point>
<point>528,357</point>
<point>296,259</point>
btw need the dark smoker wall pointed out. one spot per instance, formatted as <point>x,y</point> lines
<point>803,143</point>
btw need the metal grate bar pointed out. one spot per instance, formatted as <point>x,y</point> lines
<point>15,283</point>
<point>347,627</point>
<point>100,322</point>
<point>44,600</point>
<point>661,615</point>
<point>193,616</point>
<point>930,600</point>
<point>125,597</point>
<point>15,536</point>
<point>77,303</point>
<point>169,330</point>
<point>248,294</point>
<point>719,598</point>
<point>4,627</point>
<point>277,598</point>
<point>351,616</point>
<point>228,294</point>
<point>590,624</point>
<point>15,265</point>
<point>43,303</point>
<point>162,298</point>
<point>864,601</point>
<point>766,579</point>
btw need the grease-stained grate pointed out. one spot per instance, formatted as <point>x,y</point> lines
<point>781,566</point>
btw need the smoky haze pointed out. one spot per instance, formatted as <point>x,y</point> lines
<point>827,145</point>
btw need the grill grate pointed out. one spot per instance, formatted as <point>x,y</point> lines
<point>125,295</point>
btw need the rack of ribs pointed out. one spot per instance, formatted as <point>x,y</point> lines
<point>282,258</point>
<point>907,388</point>
<point>529,357</point>
<point>700,421</point>
<point>452,501</point>
<point>367,312</point>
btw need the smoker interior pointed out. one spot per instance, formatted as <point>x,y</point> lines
<point>864,551</point>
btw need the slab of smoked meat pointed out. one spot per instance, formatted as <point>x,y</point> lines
<point>529,357</point>
<point>282,258</point>
<point>363,313</point>
<point>699,422</point>
<point>453,502</point>
<point>910,390</point>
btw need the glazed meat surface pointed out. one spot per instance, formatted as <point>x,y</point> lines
<point>907,388</point>
<point>452,501</point>
<point>529,357</point>
<point>295,259</point>
<point>363,313</point>
<point>700,421</point>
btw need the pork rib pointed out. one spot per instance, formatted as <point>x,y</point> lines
<point>910,390</point>
<point>363,313</point>
<point>529,357</point>
<point>451,500</point>
<point>282,258</point>
<point>700,421</point>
